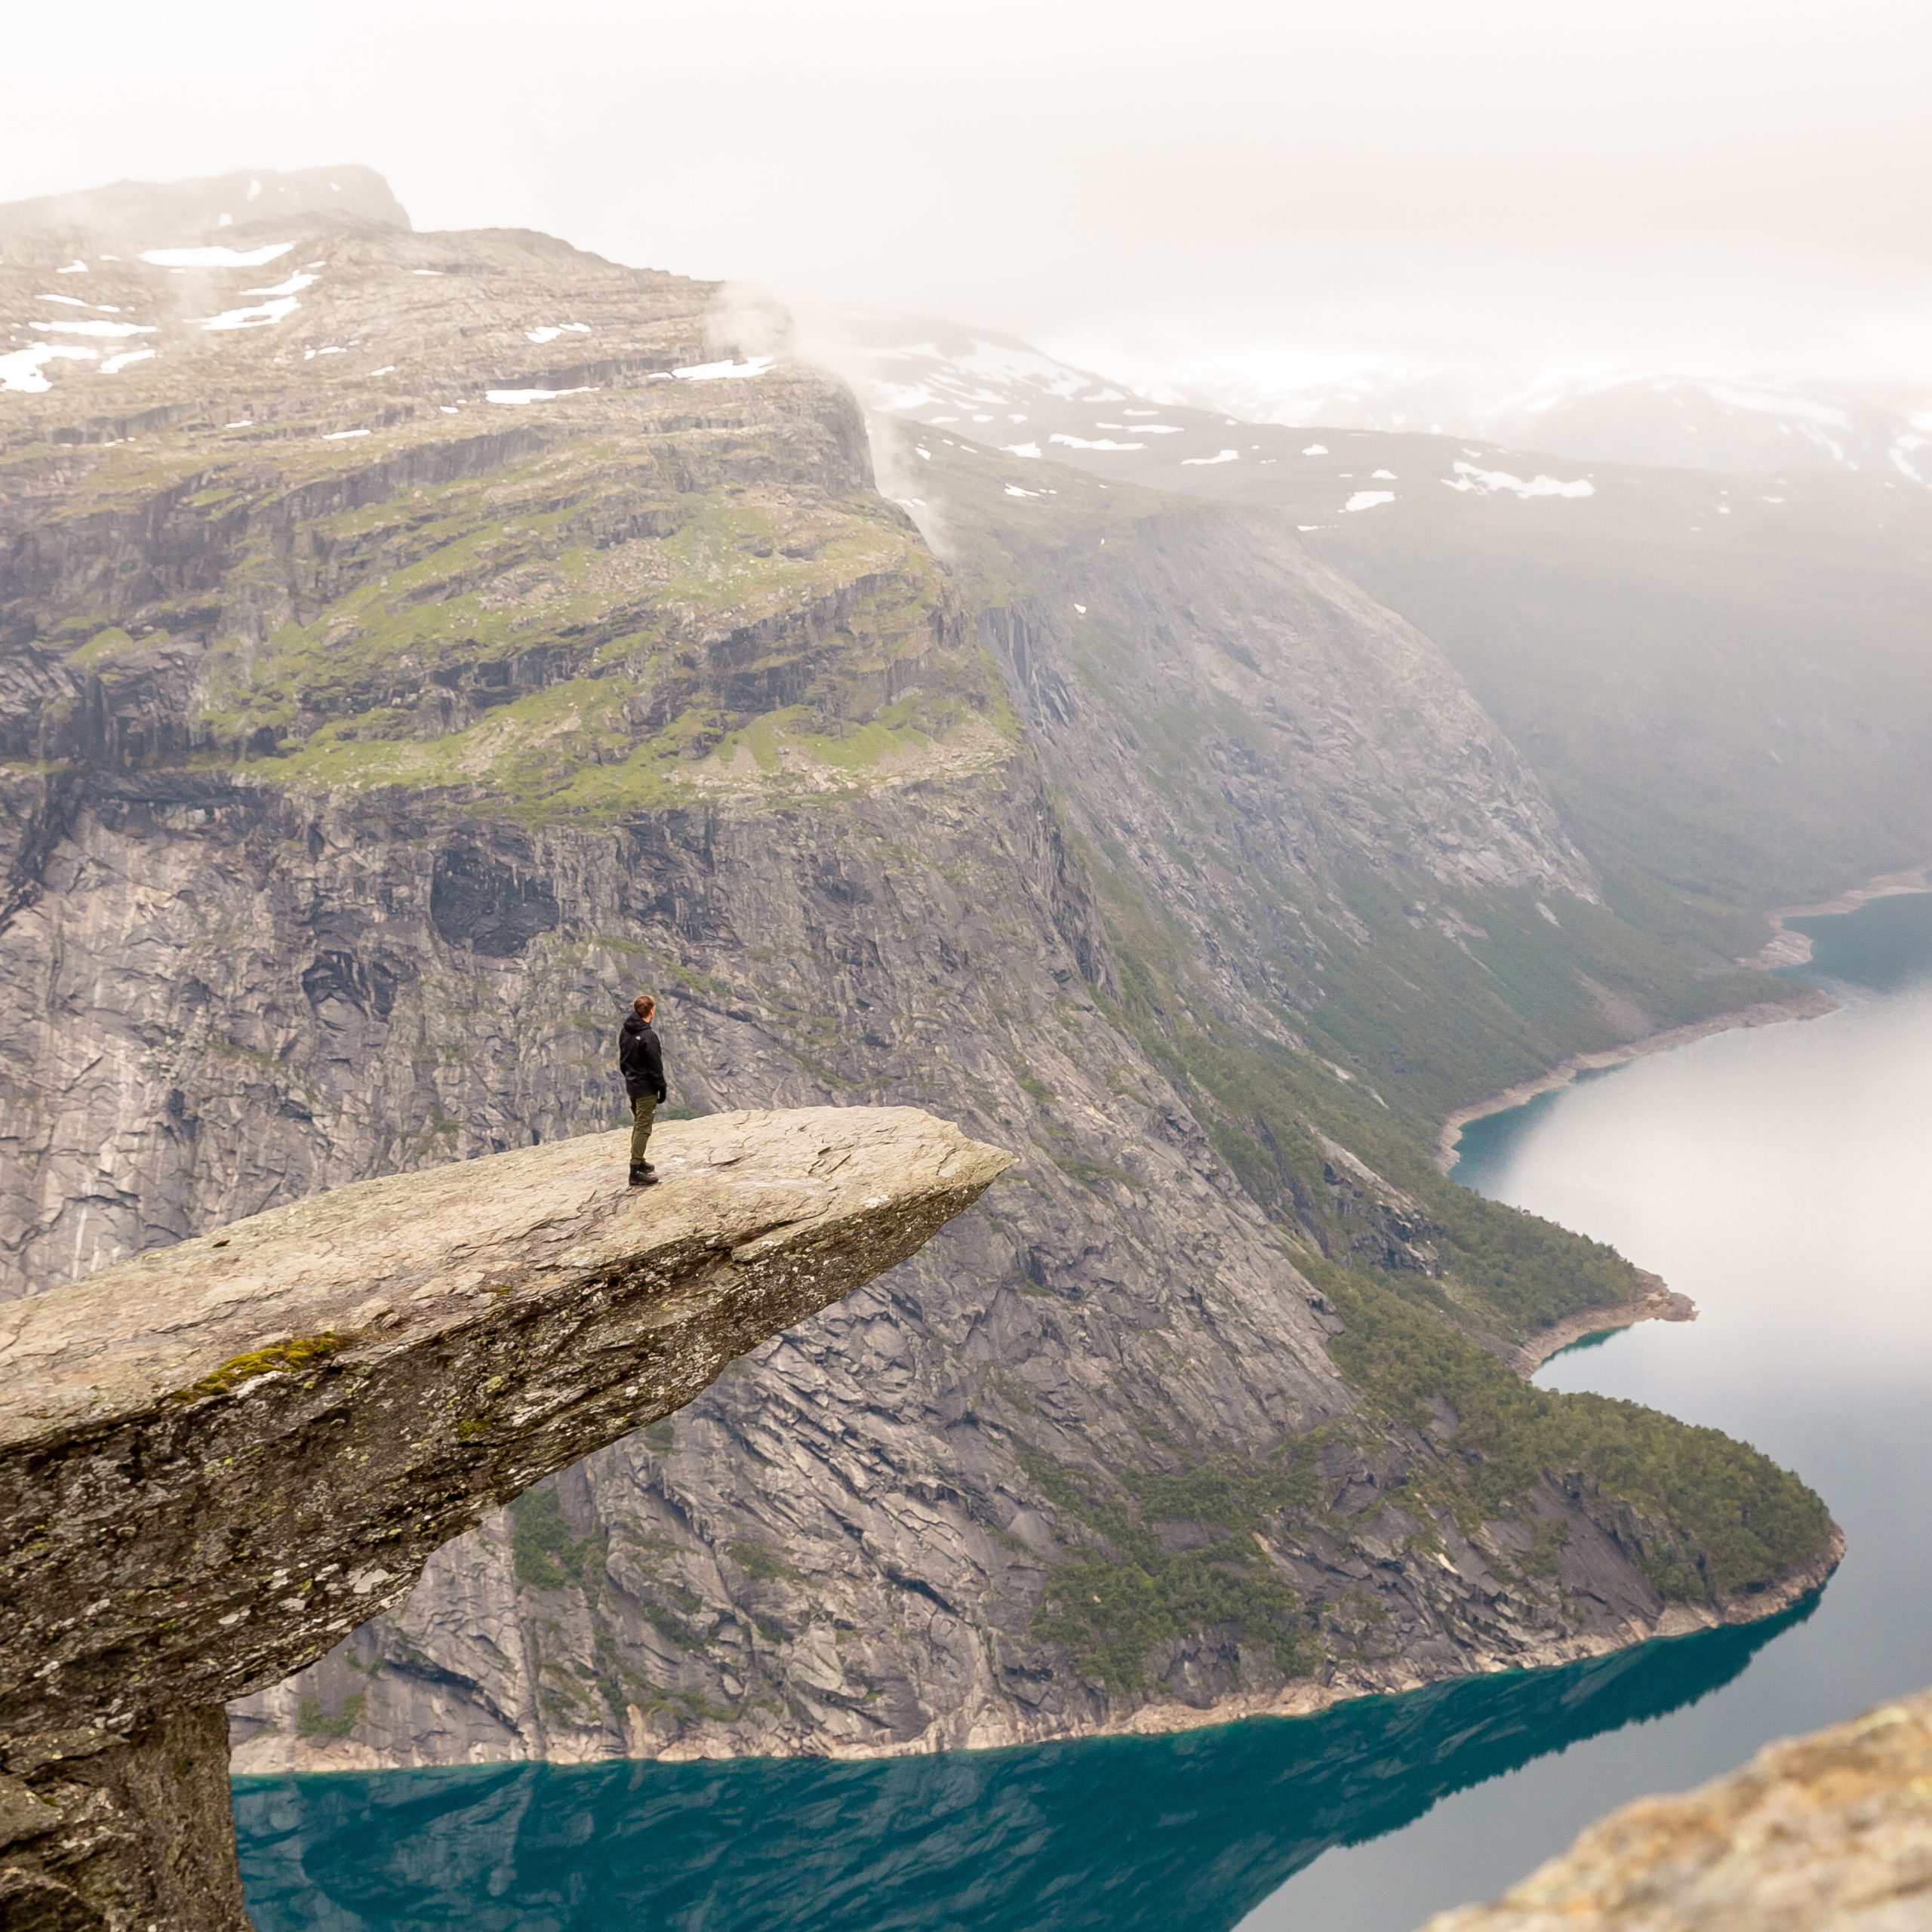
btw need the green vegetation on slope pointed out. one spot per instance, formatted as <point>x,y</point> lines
<point>1130,1588</point>
<point>1719,1517</point>
<point>544,1552</point>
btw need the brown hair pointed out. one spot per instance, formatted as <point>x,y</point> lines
<point>645,1004</point>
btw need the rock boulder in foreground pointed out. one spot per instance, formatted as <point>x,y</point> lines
<point>1828,1833</point>
<point>217,1457</point>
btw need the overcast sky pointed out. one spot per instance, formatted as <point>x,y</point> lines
<point>1704,182</point>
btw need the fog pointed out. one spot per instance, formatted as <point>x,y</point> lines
<point>1730,187</point>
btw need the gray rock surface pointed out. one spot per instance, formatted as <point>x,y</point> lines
<point>217,1458</point>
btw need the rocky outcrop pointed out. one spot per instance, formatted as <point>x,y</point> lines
<point>1828,1833</point>
<point>217,1458</point>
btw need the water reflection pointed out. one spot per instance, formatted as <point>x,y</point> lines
<point>1186,1833</point>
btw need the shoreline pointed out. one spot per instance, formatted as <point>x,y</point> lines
<point>1655,1301</point>
<point>1166,1717</point>
<point>1813,1004</point>
<point>1784,948</point>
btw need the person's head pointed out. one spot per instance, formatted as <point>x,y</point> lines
<point>644,1007</point>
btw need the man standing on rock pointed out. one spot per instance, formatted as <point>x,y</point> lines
<point>641,1060</point>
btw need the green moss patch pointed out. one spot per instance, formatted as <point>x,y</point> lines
<point>292,1357</point>
<point>546,1553</point>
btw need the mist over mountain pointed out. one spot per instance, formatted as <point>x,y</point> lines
<point>1676,418</point>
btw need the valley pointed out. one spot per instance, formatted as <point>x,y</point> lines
<point>412,644</point>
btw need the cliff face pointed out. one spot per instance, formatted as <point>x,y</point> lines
<point>494,631</point>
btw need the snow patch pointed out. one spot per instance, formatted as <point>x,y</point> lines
<point>258,317</point>
<point>1022,449</point>
<point>21,371</point>
<point>1200,462</point>
<point>1316,449</point>
<point>1012,489</point>
<point>1386,475</point>
<point>1771,403</point>
<point>92,327</point>
<point>71,301</point>
<point>342,435</point>
<point>215,257</point>
<point>1487,482</point>
<point>713,372</point>
<point>76,266</point>
<point>1366,500</point>
<point>549,331</point>
<point>294,285</point>
<point>1092,443</point>
<point>517,398</point>
<point>116,364</point>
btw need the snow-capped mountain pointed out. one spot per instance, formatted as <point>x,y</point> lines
<point>1657,419</point>
<point>996,390</point>
<point>1697,422</point>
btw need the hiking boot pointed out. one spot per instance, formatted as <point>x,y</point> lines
<point>643,1177</point>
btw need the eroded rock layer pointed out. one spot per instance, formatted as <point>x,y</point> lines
<point>1831,1832</point>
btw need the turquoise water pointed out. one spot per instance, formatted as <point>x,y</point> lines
<point>1774,1175</point>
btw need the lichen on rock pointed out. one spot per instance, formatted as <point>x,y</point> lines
<point>1831,1832</point>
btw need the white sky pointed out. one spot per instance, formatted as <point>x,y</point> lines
<point>1704,182</point>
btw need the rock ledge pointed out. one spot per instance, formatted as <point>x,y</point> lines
<point>217,1457</point>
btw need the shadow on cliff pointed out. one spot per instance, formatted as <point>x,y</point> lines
<point>1187,1833</point>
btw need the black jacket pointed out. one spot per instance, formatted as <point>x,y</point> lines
<point>641,1059</point>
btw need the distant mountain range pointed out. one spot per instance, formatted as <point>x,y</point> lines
<point>1657,419</point>
<point>154,213</point>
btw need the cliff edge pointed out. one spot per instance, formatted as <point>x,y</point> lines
<point>217,1457</point>
<point>1828,1833</point>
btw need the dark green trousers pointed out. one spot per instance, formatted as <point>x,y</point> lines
<point>644,1111</point>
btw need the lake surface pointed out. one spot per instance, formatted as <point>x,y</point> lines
<point>1778,1176</point>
